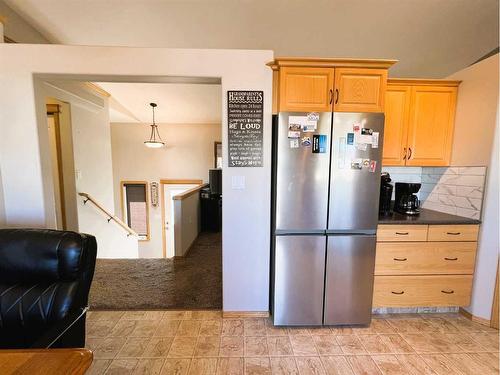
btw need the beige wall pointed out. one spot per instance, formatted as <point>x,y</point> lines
<point>476,113</point>
<point>189,154</point>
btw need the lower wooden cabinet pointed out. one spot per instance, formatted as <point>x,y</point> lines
<point>424,265</point>
<point>428,258</point>
<point>453,233</point>
<point>414,291</point>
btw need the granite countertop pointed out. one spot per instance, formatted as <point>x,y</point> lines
<point>426,217</point>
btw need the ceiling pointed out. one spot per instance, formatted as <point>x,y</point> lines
<point>431,38</point>
<point>177,103</point>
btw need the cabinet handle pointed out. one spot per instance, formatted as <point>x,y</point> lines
<point>409,153</point>
<point>401,259</point>
<point>450,258</point>
<point>402,292</point>
<point>404,154</point>
<point>448,291</point>
<point>402,233</point>
<point>336,96</point>
<point>453,233</point>
<point>331,96</point>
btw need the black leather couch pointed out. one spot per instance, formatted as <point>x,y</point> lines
<point>45,278</point>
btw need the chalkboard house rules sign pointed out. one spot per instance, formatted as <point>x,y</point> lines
<point>245,128</point>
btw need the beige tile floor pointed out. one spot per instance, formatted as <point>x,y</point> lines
<point>202,342</point>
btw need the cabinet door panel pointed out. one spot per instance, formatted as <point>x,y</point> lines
<point>431,124</point>
<point>306,89</point>
<point>397,113</point>
<point>360,90</point>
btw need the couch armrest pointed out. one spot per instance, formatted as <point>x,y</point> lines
<point>59,329</point>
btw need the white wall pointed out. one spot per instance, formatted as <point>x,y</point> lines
<point>189,154</point>
<point>476,112</point>
<point>489,240</point>
<point>91,147</point>
<point>246,218</point>
<point>186,223</point>
<point>16,28</point>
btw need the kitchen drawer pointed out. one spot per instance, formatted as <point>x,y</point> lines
<point>453,232</point>
<point>402,232</point>
<point>413,291</point>
<point>414,258</point>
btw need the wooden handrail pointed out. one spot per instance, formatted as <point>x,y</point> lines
<point>129,230</point>
<point>188,193</point>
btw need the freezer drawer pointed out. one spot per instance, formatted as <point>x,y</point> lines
<point>302,177</point>
<point>354,193</point>
<point>299,280</point>
<point>349,279</point>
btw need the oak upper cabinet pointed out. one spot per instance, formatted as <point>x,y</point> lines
<point>360,90</point>
<point>430,130</point>
<point>314,84</point>
<point>419,122</point>
<point>306,89</point>
<point>397,115</point>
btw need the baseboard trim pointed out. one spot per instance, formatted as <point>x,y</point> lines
<point>476,319</point>
<point>245,314</point>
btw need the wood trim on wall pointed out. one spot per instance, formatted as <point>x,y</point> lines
<point>476,319</point>
<point>53,110</point>
<point>423,82</point>
<point>162,202</point>
<point>245,314</point>
<point>494,308</point>
<point>331,62</point>
<point>189,192</point>
<point>146,186</point>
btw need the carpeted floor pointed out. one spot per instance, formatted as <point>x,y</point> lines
<point>192,282</point>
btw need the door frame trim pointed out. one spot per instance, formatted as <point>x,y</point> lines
<point>54,110</point>
<point>162,202</point>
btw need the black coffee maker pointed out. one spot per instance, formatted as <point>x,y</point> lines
<point>384,207</point>
<point>406,201</point>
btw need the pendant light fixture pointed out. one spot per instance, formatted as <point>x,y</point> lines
<point>155,140</point>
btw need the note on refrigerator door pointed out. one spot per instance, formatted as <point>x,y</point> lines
<point>307,123</point>
<point>341,154</point>
<point>375,137</point>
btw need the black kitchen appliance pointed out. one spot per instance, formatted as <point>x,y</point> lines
<point>211,210</point>
<point>215,180</point>
<point>406,201</point>
<point>386,188</point>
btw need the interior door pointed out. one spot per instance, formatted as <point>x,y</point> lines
<point>397,115</point>
<point>349,279</point>
<point>430,132</point>
<point>299,280</point>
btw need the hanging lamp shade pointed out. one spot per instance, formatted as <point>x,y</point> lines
<point>155,140</point>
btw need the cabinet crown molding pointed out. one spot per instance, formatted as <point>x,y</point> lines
<point>423,82</point>
<point>324,62</point>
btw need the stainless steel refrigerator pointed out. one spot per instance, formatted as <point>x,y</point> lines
<point>326,181</point>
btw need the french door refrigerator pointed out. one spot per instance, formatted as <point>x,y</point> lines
<point>326,181</point>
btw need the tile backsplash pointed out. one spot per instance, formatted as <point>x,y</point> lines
<point>454,190</point>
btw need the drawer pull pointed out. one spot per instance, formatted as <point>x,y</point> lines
<point>402,233</point>
<point>453,233</point>
<point>448,291</point>
<point>401,259</point>
<point>402,292</point>
<point>450,258</point>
